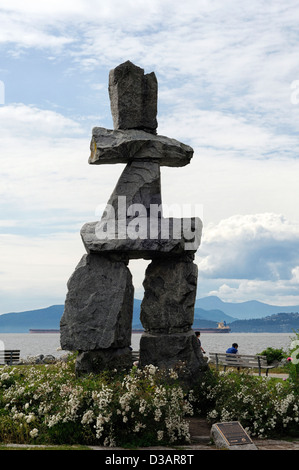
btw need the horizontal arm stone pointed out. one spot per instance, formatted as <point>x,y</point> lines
<point>165,242</point>
<point>123,146</point>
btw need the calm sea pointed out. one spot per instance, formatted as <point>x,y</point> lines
<point>249,343</point>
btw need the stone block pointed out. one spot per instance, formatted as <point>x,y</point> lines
<point>169,295</point>
<point>133,98</point>
<point>176,237</point>
<point>122,146</point>
<point>173,351</point>
<point>139,183</point>
<point>98,307</point>
<point>95,361</point>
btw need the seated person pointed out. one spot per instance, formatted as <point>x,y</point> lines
<point>233,349</point>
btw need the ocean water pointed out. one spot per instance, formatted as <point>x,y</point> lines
<point>249,343</point>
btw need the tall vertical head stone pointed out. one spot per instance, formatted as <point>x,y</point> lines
<point>133,98</point>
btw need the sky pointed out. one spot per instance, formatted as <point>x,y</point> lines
<point>228,85</point>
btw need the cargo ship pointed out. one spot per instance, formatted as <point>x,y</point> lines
<point>221,328</point>
<point>43,331</point>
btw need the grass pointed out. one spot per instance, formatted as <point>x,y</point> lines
<point>41,447</point>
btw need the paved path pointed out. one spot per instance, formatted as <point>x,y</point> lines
<point>200,440</point>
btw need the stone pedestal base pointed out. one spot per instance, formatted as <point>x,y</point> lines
<point>105,359</point>
<point>172,351</point>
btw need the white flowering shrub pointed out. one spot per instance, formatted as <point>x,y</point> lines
<point>264,406</point>
<point>49,404</point>
<point>293,361</point>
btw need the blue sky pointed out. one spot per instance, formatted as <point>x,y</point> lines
<point>227,74</point>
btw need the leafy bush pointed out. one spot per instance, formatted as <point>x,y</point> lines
<point>273,355</point>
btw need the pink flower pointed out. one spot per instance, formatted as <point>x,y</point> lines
<point>289,359</point>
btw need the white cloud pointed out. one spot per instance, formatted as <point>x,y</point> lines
<point>275,293</point>
<point>22,31</point>
<point>34,270</point>
<point>227,132</point>
<point>228,182</point>
<point>44,163</point>
<point>18,120</point>
<point>252,256</point>
<point>223,57</point>
<point>260,246</point>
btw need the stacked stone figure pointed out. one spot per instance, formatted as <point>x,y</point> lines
<point>97,320</point>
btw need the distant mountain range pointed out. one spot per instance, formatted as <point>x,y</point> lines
<point>243,310</point>
<point>276,323</point>
<point>243,316</point>
<point>21,322</point>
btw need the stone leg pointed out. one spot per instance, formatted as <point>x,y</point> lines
<point>169,295</point>
<point>173,351</point>
<point>167,313</point>
<point>97,319</point>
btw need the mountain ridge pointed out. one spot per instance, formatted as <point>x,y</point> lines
<point>250,309</point>
<point>49,317</point>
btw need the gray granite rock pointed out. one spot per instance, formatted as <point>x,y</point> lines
<point>169,295</point>
<point>133,98</point>
<point>173,351</point>
<point>97,319</point>
<point>177,237</point>
<point>123,146</point>
<point>105,359</point>
<point>98,307</point>
<point>139,183</point>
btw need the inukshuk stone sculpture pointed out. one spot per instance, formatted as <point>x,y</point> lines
<point>97,320</point>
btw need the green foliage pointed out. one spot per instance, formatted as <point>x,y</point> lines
<point>273,355</point>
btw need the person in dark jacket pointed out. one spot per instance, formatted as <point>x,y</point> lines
<point>197,334</point>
